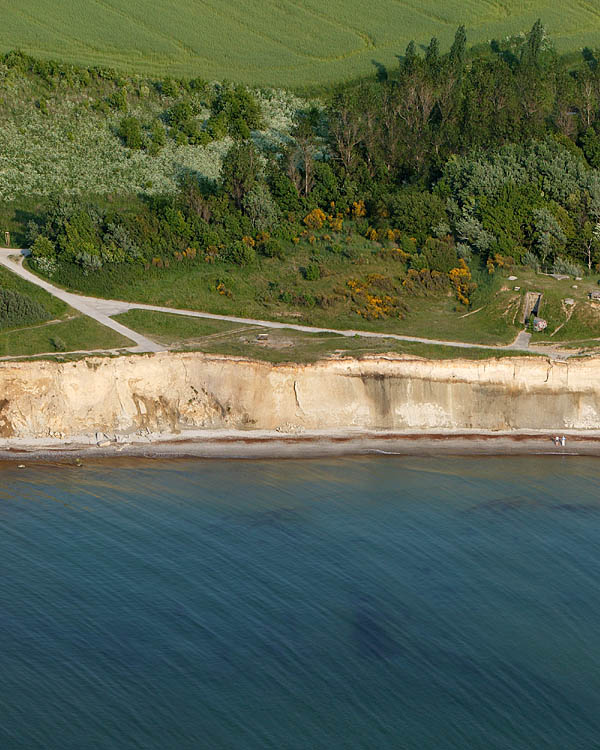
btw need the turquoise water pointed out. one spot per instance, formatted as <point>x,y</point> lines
<point>348,603</point>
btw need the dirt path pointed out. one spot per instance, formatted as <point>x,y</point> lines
<point>102,310</point>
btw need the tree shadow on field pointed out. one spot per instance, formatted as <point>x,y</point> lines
<point>590,57</point>
<point>382,72</point>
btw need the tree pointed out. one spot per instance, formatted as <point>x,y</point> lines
<point>158,138</point>
<point>549,238</point>
<point>590,145</point>
<point>130,132</point>
<point>345,129</point>
<point>240,171</point>
<point>459,48</point>
<point>535,40</point>
<point>240,109</point>
<point>302,157</point>
<point>411,58</point>
<point>432,56</point>
<point>589,239</point>
<point>43,247</point>
<point>587,89</point>
<point>260,207</point>
<point>416,212</point>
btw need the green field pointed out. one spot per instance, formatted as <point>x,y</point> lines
<point>276,42</point>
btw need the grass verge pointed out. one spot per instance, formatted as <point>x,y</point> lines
<point>75,334</point>
<point>283,345</point>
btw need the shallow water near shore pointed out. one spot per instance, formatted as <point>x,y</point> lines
<point>354,602</point>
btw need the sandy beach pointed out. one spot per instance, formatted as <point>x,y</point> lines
<point>271,444</point>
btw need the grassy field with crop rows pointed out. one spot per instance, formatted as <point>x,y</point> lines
<point>276,42</point>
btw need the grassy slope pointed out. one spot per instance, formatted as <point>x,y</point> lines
<point>495,318</point>
<point>283,345</point>
<point>255,293</point>
<point>271,42</point>
<point>69,331</point>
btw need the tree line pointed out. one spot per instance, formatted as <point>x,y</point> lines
<point>492,151</point>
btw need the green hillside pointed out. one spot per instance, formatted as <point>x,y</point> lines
<point>277,42</point>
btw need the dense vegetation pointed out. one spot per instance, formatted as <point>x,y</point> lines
<point>19,309</point>
<point>378,202</point>
<point>68,130</point>
<point>273,42</point>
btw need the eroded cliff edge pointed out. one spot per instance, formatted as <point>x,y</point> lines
<point>175,392</point>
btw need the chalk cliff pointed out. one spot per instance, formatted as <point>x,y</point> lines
<point>171,392</point>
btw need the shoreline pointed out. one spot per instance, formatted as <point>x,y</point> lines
<point>230,444</point>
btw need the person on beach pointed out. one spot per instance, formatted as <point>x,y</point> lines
<point>563,440</point>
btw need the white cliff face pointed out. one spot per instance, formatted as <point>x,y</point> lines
<point>173,392</point>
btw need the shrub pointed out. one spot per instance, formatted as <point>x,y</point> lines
<point>45,266</point>
<point>440,254</point>
<point>530,259</point>
<point>460,278</point>
<point>58,344</point>
<point>241,254</point>
<point>315,219</point>
<point>43,248</point>
<point>130,132</point>
<point>567,267</point>
<point>88,262</point>
<point>19,309</point>
<point>375,298</point>
<point>424,282</point>
<point>260,208</point>
<point>312,272</point>
<point>272,248</point>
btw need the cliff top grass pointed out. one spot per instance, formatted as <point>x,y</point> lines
<point>63,329</point>
<point>280,345</point>
<point>271,42</point>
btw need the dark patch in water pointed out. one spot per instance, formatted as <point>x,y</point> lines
<point>371,631</point>
<point>285,520</point>
<point>504,504</point>
<point>507,504</point>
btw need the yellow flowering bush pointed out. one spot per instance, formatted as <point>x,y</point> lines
<point>315,219</point>
<point>460,278</point>
<point>359,209</point>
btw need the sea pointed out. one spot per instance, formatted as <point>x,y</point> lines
<point>366,602</point>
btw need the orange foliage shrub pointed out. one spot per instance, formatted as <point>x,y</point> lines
<point>212,253</point>
<point>336,222</point>
<point>262,238</point>
<point>223,290</point>
<point>424,281</point>
<point>315,219</point>
<point>359,209</point>
<point>375,298</point>
<point>461,281</point>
